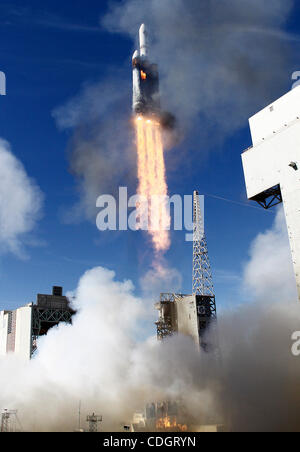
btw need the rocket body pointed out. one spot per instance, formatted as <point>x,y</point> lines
<point>145,79</point>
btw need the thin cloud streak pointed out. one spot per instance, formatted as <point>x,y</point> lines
<point>24,16</point>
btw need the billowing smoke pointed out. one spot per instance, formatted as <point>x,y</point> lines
<point>219,63</point>
<point>101,148</point>
<point>217,60</point>
<point>98,360</point>
<point>20,202</point>
<point>88,361</point>
<point>161,278</point>
<point>269,273</point>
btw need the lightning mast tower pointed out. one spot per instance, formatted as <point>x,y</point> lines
<point>203,287</point>
<point>202,276</point>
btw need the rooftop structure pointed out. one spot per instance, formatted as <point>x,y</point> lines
<point>20,329</point>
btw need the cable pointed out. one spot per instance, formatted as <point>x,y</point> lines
<point>237,202</point>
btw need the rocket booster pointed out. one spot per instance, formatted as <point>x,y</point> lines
<point>145,79</point>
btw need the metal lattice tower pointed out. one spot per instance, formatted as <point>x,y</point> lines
<point>93,420</point>
<point>202,276</point>
<point>9,421</point>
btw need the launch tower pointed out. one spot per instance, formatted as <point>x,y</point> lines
<point>191,314</point>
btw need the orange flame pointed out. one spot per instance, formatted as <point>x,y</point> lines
<point>152,188</point>
<point>167,423</point>
<point>143,75</point>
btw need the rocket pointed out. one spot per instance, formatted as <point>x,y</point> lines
<point>146,99</point>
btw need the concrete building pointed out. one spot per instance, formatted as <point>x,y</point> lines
<point>190,315</point>
<point>20,329</point>
<point>272,164</point>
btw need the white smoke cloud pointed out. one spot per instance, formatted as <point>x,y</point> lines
<point>160,278</point>
<point>109,361</point>
<point>87,361</point>
<point>99,361</point>
<point>20,202</point>
<point>269,274</point>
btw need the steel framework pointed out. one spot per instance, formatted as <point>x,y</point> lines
<point>93,420</point>
<point>165,323</point>
<point>171,297</point>
<point>202,276</point>
<point>47,317</point>
<point>5,421</point>
<point>9,421</point>
<point>164,328</point>
<point>269,198</point>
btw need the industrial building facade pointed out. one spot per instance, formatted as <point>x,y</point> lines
<point>20,329</point>
<point>190,315</point>
<point>272,164</point>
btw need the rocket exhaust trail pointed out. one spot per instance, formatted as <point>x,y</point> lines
<point>152,209</point>
<point>152,189</point>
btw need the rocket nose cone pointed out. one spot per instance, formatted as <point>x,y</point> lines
<point>142,28</point>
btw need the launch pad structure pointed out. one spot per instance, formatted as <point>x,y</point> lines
<point>191,315</point>
<point>272,164</point>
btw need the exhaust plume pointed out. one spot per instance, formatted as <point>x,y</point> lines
<point>152,187</point>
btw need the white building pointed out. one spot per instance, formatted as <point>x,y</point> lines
<point>15,331</point>
<point>272,165</point>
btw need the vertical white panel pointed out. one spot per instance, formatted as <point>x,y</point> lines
<point>291,203</point>
<point>23,332</point>
<point>3,332</point>
<point>187,317</point>
<point>275,116</point>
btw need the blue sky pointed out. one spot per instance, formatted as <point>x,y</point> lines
<point>49,51</point>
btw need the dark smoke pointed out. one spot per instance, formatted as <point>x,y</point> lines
<point>219,62</point>
<point>217,59</point>
<point>255,385</point>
